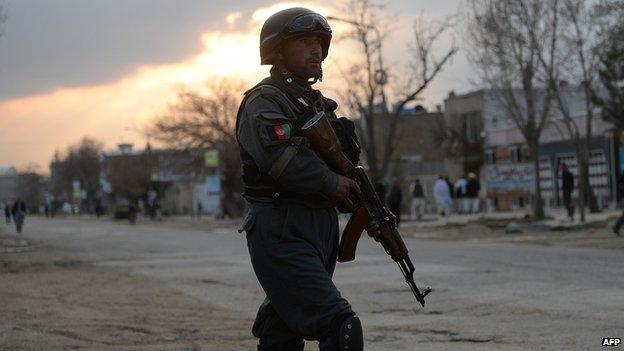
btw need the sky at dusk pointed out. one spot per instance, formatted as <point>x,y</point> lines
<point>104,69</point>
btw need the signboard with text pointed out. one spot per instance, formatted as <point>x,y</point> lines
<point>507,177</point>
<point>211,158</point>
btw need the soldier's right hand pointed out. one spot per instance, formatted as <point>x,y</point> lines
<point>345,186</point>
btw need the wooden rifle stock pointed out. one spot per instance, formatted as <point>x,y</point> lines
<point>352,233</point>
<point>370,208</point>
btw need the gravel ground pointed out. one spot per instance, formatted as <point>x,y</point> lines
<point>55,301</point>
<point>188,285</point>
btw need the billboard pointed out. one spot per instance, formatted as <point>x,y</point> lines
<point>507,177</point>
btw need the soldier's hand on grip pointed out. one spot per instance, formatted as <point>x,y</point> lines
<point>345,186</point>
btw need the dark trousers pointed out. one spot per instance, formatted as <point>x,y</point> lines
<point>293,251</point>
<point>567,202</point>
<point>619,223</point>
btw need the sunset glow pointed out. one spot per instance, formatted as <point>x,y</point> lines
<point>31,128</point>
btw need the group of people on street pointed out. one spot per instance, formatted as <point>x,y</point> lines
<point>464,193</point>
<point>15,212</point>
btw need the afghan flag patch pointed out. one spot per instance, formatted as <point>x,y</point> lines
<point>280,131</point>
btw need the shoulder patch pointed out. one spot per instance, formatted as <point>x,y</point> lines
<point>280,131</point>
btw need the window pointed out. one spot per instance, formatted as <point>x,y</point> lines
<point>516,154</point>
<point>490,157</point>
<point>472,127</point>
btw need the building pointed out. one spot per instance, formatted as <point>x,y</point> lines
<point>178,179</point>
<point>509,173</point>
<point>420,150</point>
<point>8,184</point>
<point>463,117</point>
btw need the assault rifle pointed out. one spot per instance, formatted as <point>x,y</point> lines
<point>367,205</point>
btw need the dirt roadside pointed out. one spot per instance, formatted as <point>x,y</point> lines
<point>51,300</point>
<point>595,235</point>
<point>591,235</point>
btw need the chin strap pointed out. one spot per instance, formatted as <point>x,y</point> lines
<point>288,77</point>
<point>318,78</point>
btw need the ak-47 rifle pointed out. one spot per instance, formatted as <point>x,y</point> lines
<point>367,205</point>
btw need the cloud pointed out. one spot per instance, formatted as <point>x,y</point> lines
<point>33,127</point>
<point>233,17</point>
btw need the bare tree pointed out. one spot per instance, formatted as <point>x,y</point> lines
<point>512,44</point>
<point>579,39</point>
<point>130,174</point>
<point>611,71</point>
<point>374,91</point>
<point>207,120</point>
<point>30,189</point>
<point>611,74</point>
<point>609,14</point>
<point>81,163</point>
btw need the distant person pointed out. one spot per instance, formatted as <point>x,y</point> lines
<point>472,192</point>
<point>620,188</point>
<point>99,209</point>
<point>450,186</point>
<point>132,212</point>
<point>18,211</point>
<point>618,224</point>
<point>463,203</point>
<point>380,189</point>
<point>46,209</point>
<point>567,185</point>
<point>7,213</point>
<point>418,201</point>
<point>394,200</point>
<point>200,209</point>
<point>442,196</point>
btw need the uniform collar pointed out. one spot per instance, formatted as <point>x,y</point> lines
<point>284,76</point>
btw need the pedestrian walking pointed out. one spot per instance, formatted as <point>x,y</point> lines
<point>567,186</point>
<point>442,195</point>
<point>618,224</point>
<point>418,201</point>
<point>472,192</point>
<point>292,223</point>
<point>200,209</point>
<point>18,211</point>
<point>7,213</point>
<point>463,203</point>
<point>395,198</point>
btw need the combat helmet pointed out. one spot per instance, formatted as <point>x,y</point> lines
<point>290,23</point>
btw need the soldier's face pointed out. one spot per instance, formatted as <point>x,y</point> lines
<point>303,55</point>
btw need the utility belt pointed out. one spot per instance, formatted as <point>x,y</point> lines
<point>276,195</point>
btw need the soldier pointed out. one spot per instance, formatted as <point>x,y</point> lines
<point>292,225</point>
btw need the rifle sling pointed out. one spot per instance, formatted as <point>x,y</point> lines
<point>291,150</point>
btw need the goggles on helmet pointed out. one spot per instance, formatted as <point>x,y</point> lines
<point>308,22</point>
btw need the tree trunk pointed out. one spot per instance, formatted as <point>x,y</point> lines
<point>538,205</point>
<point>591,200</point>
<point>582,175</point>
<point>590,197</point>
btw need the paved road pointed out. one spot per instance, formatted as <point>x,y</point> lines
<point>486,296</point>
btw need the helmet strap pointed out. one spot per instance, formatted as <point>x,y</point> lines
<point>318,78</point>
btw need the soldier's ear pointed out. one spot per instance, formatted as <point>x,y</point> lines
<point>279,53</point>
